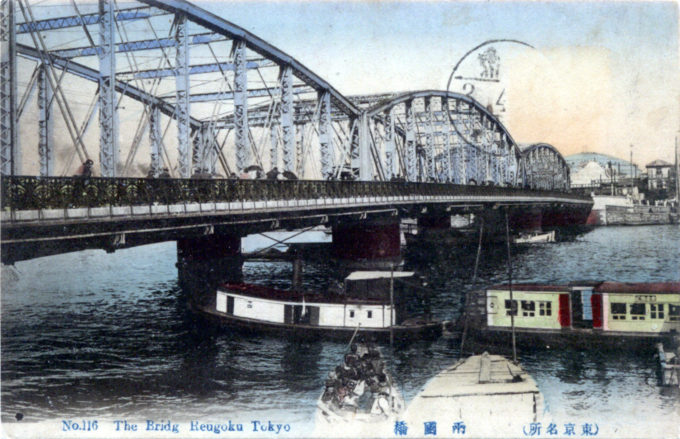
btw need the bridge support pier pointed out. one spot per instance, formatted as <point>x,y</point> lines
<point>203,262</point>
<point>528,219</point>
<point>373,244</point>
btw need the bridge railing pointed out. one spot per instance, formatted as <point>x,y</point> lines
<point>28,192</point>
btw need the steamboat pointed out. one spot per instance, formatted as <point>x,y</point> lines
<point>375,303</point>
<point>611,314</point>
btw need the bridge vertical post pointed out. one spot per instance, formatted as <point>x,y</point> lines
<point>463,156</point>
<point>447,146</point>
<point>365,159</point>
<point>241,129</point>
<point>155,140</point>
<point>182,109</point>
<point>273,146</point>
<point>300,151</point>
<point>410,142</point>
<point>354,147</point>
<point>200,149</point>
<point>325,146</point>
<point>10,153</point>
<point>390,146</point>
<point>108,114</point>
<point>45,123</point>
<point>287,115</point>
<point>429,140</point>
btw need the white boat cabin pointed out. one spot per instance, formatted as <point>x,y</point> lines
<point>364,302</point>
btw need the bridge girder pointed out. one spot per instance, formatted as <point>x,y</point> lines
<point>236,110</point>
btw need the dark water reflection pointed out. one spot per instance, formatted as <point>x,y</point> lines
<point>94,334</point>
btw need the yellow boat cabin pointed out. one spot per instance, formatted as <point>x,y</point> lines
<point>616,308</point>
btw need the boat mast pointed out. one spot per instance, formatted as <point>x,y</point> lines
<point>677,173</point>
<point>391,304</point>
<point>474,280</point>
<point>513,308</point>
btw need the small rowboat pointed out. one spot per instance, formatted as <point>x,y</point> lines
<point>360,394</point>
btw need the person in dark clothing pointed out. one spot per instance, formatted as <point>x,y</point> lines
<point>85,170</point>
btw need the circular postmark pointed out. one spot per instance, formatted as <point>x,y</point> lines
<point>478,76</point>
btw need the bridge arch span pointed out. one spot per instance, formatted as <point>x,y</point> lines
<point>545,168</point>
<point>440,136</point>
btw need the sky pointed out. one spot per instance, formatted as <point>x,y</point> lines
<point>601,76</point>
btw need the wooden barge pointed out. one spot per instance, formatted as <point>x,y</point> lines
<point>365,305</point>
<point>486,395</point>
<point>609,314</point>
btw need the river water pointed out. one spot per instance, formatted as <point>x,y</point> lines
<point>91,335</point>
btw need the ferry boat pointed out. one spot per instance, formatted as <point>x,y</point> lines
<point>614,313</point>
<point>365,305</point>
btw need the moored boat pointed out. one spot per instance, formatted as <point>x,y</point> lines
<point>479,396</point>
<point>608,313</point>
<point>535,238</point>
<point>366,304</point>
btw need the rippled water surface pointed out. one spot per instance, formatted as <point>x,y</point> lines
<point>92,334</point>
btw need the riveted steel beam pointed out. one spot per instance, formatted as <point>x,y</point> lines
<point>325,135</point>
<point>108,116</point>
<point>429,140</point>
<point>410,142</point>
<point>182,88</point>
<point>390,145</point>
<point>196,69</point>
<point>287,115</point>
<point>155,140</point>
<point>87,19</point>
<point>45,124</point>
<point>134,46</point>
<point>242,138</point>
<point>252,93</point>
<point>10,158</point>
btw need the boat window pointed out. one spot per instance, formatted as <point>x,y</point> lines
<point>674,313</point>
<point>656,310</point>
<point>511,309</point>
<point>369,314</point>
<point>351,313</point>
<point>619,311</point>
<point>545,308</point>
<point>528,308</point>
<point>637,311</point>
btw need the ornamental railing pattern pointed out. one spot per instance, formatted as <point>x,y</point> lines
<point>27,193</point>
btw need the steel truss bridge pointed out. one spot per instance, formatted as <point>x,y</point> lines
<point>179,92</point>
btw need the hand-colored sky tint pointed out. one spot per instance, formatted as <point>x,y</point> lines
<point>604,75</point>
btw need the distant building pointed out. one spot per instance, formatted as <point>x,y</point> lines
<point>588,173</point>
<point>621,167</point>
<point>592,168</point>
<point>658,174</point>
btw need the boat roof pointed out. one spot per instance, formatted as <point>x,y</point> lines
<point>270,293</point>
<point>365,275</point>
<point>598,287</point>
<point>627,287</point>
<point>479,375</point>
<point>531,287</point>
